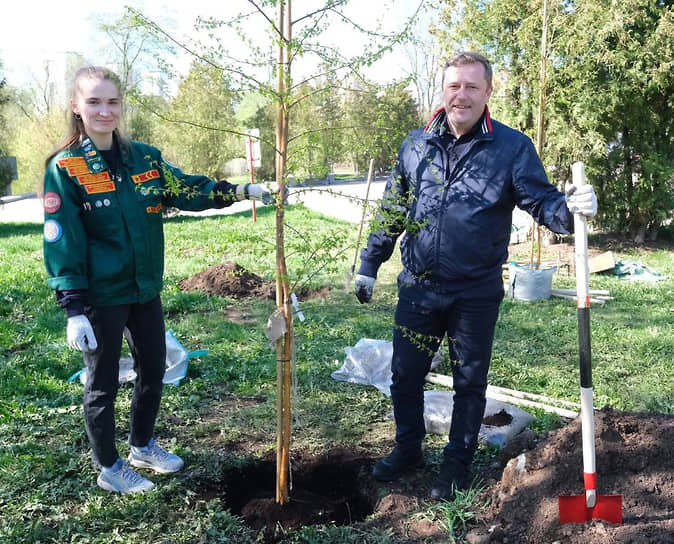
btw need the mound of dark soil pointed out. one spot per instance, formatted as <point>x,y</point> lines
<point>233,280</point>
<point>634,454</point>
<point>229,279</point>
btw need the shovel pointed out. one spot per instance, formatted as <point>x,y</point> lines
<point>583,508</point>
<point>349,276</point>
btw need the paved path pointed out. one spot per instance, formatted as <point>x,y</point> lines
<point>344,201</point>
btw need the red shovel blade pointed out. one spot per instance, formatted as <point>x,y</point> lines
<point>573,509</point>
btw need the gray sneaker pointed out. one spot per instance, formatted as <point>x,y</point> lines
<point>121,478</point>
<point>156,458</point>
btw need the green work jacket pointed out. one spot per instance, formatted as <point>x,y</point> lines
<point>104,233</point>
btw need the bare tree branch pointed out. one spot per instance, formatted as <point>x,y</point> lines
<point>168,119</point>
<point>195,54</point>
<point>270,21</point>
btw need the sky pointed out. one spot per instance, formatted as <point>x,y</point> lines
<point>34,32</point>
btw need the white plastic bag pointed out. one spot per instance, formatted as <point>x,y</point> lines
<point>177,360</point>
<point>438,406</point>
<point>369,363</point>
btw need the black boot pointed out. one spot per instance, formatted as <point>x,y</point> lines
<point>453,476</point>
<point>396,463</point>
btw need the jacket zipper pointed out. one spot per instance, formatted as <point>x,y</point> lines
<point>445,190</point>
<point>449,177</point>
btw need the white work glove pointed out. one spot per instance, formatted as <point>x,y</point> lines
<point>364,288</point>
<point>254,191</point>
<point>581,199</point>
<point>80,334</point>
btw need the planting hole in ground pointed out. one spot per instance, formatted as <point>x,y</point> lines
<point>324,490</point>
<point>500,419</point>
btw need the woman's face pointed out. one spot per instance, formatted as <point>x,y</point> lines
<point>99,103</point>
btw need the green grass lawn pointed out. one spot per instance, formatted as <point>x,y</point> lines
<point>47,482</point>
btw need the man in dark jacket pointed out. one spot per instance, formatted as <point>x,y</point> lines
<point>452,191</point>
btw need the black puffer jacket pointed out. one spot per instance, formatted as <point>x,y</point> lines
<point>458,222</point>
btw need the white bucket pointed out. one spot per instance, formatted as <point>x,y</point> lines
<point>530,284</point>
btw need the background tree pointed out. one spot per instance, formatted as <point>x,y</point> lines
<point>203,106</point>
<point>315,129</point>
<point>261,115</point>
<point>5,171</point>
<point>144,118</point>
<point>425,75</point>
<point>609,98</point>
<point>425,58</point>
<point>378,120</point>
<point>36,122</point>
<point>141,57</point>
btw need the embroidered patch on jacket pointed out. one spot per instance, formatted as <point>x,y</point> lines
<point>153,209</point>
<point>146,176</point>
<point>52,230</point>
<point>95,188</point>
<point>94,178</point>
<point>51,202</point>
<point>75,166</point>
<point>96,183</point>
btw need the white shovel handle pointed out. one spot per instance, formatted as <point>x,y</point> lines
<point>580,236</point>
<point>583,303</point>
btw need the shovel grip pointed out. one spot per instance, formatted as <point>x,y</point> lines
<point>580,238</point>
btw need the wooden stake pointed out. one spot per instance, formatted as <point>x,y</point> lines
<point>540,128</point>
<point>512,396</point>
<point>349,276</point>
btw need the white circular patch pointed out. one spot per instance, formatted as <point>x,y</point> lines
<point>52,230</point>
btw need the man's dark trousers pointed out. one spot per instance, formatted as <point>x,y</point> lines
<point>467,315</point>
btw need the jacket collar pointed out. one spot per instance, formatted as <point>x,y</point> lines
<point>93,157</point>
<point>438,123</point>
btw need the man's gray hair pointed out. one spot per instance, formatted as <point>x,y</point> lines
<point>470,57</point>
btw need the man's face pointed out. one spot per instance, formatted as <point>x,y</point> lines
<point>465,95</point>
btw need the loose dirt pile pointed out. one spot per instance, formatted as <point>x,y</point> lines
<point>229,279</point>
<point>233,280</point>
<point>634,459</point>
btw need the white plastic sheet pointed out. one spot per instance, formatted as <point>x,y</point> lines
<point>177,361</point>
<point>369,363</point>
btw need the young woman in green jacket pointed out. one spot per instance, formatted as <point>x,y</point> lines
<point>104,253</point>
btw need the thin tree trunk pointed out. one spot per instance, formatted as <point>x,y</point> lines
<point>283,344</point>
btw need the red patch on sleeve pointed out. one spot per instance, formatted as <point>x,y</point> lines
<point>51,202</point>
